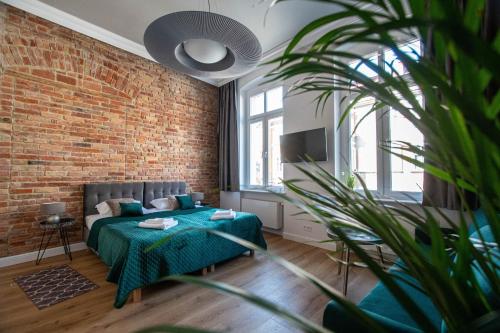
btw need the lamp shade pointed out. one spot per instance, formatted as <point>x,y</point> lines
<point>197,196</point>
<point>203,44</point>
<point>205,50</point>
<point>53,208</point>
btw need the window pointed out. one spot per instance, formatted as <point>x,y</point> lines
<point>364,143</point>
<point>383,173</point>
<point>264,126</point>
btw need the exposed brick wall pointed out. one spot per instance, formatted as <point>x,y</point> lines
<point>75,110</point>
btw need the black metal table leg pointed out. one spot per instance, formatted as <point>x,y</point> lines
<point>38,256</point>
<point>359,237</point>
<point>341,257</point>
<point>65,242</point>
<point>346,270</point>
<point>66,237</point>
<point>40,247</point>
<point>380,255</point>
<point>49,228</point>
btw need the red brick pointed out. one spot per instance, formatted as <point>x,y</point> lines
<point>46,74</point>
<point>76,111</point>
<point>66,79</point>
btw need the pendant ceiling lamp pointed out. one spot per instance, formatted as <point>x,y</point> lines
<point>203,44</point>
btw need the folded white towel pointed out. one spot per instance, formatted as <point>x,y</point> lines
<point>151,226</point>
<point>223,212</point>
<point>159,220</point>
<point>171,223</point>
<point>228,215</point>
<point>224,215</point>
<point>160,226</point>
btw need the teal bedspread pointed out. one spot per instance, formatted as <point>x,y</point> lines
<point>121,245</point>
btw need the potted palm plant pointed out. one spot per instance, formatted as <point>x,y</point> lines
<point>458,77</point>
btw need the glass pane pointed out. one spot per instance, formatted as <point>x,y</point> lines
<point>257,104</point>
<point>364,69</point>
<point>364,143</point>
<point>275,130</point>
<point>394,65</point>
<point>256,161</point>
<point>274,99</point>
<point>404,175</point>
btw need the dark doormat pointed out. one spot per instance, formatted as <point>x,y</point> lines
<point>54,285</point>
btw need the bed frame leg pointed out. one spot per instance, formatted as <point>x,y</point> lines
<point>211,268</point>
<point>137,295</point>
<point>204,271</point>
<point>251,253</point>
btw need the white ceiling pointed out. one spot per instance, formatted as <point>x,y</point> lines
<point>122,22</point>
<point>129,18</point>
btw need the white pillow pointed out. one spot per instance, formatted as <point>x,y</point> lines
<point>161,203</point>
<point>103,208</point>
<point>90,219</point>
<point>168,203</point>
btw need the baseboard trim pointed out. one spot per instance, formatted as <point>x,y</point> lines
<point>309,241</point>
<point>31,256</point>
<point>278,232</point>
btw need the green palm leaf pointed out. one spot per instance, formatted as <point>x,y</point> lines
<point>461,124</point>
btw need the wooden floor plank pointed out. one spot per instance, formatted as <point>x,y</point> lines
<point>182,304</point>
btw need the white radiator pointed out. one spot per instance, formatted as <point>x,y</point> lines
<point>269,212</point>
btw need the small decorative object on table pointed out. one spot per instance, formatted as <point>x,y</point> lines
<point>51,228</point>
<point>54,210</point>
<point>197,197</point>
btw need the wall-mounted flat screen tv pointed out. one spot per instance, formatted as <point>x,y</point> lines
<point>296,146</point>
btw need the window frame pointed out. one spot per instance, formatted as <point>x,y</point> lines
<point>265,117</point>
<point>384,175</point>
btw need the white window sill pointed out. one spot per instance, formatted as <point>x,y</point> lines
<point>269,190</point>
<point>396,198</point>
<point>281,190</point>
<point>396,201</point>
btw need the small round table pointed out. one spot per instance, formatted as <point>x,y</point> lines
<point>50,229</point>
<point>359,237</point>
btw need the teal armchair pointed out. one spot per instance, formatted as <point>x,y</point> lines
<point>385,309</point>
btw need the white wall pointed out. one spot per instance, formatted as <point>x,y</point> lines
<point>298,115</point>
<point>230,200</point>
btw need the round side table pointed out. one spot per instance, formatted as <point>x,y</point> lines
<point>359,237</point>
<point>50,229</point>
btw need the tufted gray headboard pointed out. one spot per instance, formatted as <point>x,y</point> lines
<point>155,190</point>
<point>96,193</point>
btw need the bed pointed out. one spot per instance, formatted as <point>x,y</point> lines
<point>121,244</point>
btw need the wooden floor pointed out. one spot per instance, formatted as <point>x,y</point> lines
<point>182,304</point>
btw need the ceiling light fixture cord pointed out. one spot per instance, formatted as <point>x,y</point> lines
<point>209,6</point>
